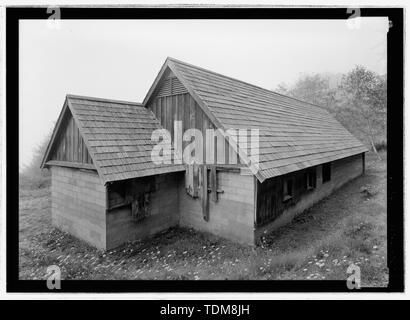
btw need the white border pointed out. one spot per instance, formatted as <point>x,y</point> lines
<point>183,296</point>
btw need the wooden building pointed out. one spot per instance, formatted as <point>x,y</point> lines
<point>107,190</point>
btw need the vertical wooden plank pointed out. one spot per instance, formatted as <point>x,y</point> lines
<point>186,112</point>
<point>171,115</point>
<point>73,153</point>
<point>226,152</point>
<point>364,163</point>
<point>75,143</point>
<point>72,139</point>
<point>233,156</point>
<point>192,113</point>
<point>80,147</point>
<point>186,117</point>
<point>203,127</point>
<point>153,107</point>
<point>255,200</point>
<point>220,150</point>
<point>69,140</point>
<point>214,183</point>
<point>163,112</point>
<point>158,104</point>
<point>181,99</point>
<point>205,203</point>
<point>58,150</point>
<point>195,179</point>
<point>85,152</point>
<point>65,158</point>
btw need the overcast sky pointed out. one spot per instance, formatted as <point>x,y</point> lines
<point>120,59</point>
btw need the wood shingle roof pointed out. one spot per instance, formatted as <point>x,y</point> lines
<point>118,137</point>
<point>293,134</point>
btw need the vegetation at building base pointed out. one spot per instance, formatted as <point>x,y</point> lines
<point>348,227</point>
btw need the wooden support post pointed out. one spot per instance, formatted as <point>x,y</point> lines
<point>214,184</point>
<point>255,202</point>
<point>363,162</point>
<point>205,203</point>
<point>195,180</point>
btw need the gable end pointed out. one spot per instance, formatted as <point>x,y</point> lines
<point>67,146</point>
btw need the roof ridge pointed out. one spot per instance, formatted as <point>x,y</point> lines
<point>73,96</point>
<point>244,82</point>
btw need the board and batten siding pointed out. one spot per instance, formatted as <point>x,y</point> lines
<point>270,202</point>
<point>70,146</point>
<point>176,104</point>
<point>78,204</point>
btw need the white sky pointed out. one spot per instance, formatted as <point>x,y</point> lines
<point>120,59</point>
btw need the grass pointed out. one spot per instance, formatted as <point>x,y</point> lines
<point>347,227</point>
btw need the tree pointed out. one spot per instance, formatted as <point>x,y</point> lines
<point>357,99</point>
<point>32,176</point>
<point>310,88</point>
<point>363,103</point>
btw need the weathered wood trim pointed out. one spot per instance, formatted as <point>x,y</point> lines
<point>214,184</point>
<point>70,164</point>
<point>205,201</point>
<point>74,96</point>
<point>54,134</point>
<point>364,162</point>
<point>120,205</point>
<point>155,83</point>
<point>255,201</point>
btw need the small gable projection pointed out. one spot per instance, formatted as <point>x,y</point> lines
<point>70,146</point>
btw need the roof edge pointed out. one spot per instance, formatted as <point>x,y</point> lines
<point>54,133</point>
<point>155,83</point>
<point>244,82</point>
<point>73,96</point>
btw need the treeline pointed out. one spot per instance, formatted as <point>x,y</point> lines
<point>357,99</point>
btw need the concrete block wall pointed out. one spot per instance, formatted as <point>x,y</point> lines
<point>342,171</point>
<point>231,217</point>
<point>78,204</point>
<point>163,213</point>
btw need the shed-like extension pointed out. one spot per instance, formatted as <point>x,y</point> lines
<point>107,190</point>
<point>95,143</point>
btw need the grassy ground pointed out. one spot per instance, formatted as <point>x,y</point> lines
<point>348,227</point>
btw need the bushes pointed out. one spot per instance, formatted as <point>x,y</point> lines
<point>32,177</point>
<point>381,145</point>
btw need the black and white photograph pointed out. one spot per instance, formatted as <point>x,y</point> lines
<point>199,150</point>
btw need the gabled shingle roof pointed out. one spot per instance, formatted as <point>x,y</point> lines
<point>118,137</point>
<point>293,134</point>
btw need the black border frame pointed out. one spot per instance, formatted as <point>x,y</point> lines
<point>395,228</point>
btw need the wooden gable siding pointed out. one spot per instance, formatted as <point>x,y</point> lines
<point>270,197</point>
<point>70,146</point>
<point>169,106</point>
